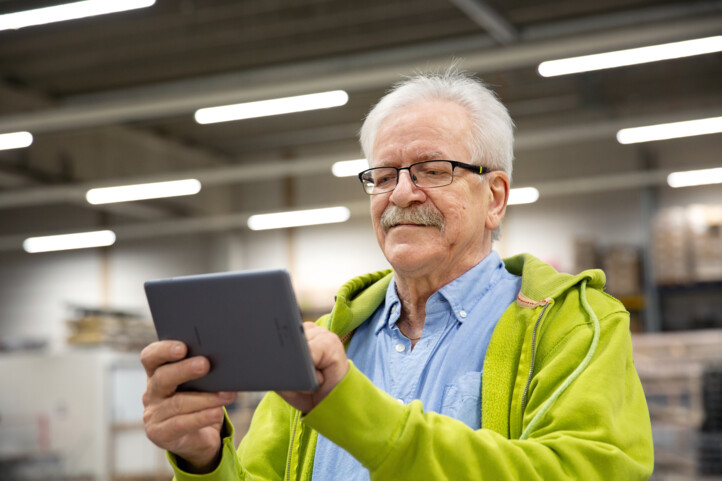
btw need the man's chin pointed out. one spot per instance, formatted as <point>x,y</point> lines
<point>407,256</point>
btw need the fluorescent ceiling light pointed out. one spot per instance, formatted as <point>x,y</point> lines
<point>264,108</point>
<point>15,140</point>
<point>672,130</point>
<point>154,190</point>
<point>632,56</point>
<point>68,11</point>
<point>695,177</point>
<point>348,168</point>
<point>82,240</point>
<point>523,195</point>
<point>297,218</point>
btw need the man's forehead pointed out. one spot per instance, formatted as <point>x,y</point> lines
<point>416,146</point>
<point>425,131</point>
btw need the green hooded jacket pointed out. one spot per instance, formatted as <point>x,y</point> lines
<point>561,399</point>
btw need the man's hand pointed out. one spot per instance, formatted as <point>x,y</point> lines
<point>329,357</point>
<point>188,424</point>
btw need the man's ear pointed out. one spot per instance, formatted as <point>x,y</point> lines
<point>498,197</point>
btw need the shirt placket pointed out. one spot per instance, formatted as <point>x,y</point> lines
<point>408,365</point>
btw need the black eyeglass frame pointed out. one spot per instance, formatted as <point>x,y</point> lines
<point>477,169</point>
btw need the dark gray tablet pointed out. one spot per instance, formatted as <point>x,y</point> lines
<point>247,324</point>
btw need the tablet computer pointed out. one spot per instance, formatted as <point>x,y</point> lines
<point>246,323</point>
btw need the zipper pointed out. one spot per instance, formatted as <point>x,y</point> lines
<point>531,367</point>
<point>290,447</point>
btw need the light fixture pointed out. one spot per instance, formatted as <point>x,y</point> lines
<point>81,240</point>
<point>347,168</point>
<point>15,140</point>
<point>280,220</point>
<point>695,177</point>
<point>263,108</point>
<point>68,11</point>
<point>154,190</point>
<point>633,56</point>
<point>673,130</point>
<point>523,195</point>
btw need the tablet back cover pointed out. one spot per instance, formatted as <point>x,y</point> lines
<point>247,324</point>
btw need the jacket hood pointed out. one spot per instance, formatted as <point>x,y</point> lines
<point>540,281</point>
<point>357,299</point>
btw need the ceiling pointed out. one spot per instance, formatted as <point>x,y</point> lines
<point>110,100</point>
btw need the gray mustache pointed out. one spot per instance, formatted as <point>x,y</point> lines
<point>424,214</point>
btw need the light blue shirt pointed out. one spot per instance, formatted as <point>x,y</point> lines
<point>444,369</point>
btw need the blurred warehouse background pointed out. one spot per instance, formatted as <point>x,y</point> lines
<point>113,100</point>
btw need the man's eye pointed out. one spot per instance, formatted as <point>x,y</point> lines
<point>383,180</point>
<point>432,172</point>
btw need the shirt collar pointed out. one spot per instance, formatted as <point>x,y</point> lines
<point>462,294</point>
<point>392,305</point>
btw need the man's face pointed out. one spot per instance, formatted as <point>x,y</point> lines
<point>431,130</point>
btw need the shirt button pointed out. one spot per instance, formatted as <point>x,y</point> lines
<point>462,314</point>
<point>400,348</point>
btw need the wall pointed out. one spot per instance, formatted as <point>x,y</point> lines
<point>39,291</point>
<point>54,406</point>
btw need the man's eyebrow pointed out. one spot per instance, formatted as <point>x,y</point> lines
<point>420,157</point>
<point>431,156</point>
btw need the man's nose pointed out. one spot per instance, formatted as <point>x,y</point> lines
<point>406,192</point>
<point>405,181</point>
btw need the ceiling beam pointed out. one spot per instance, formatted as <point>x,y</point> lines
<point>197,225</point>
<point>30,185</point>
<point>314,165</point>
<point>14,180</point>
<point>485,16</point>
<point>208,177</point>
<point>360,72</point>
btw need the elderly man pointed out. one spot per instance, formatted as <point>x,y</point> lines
<point>455,365</point>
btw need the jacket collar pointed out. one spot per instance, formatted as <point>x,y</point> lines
<point>357,299</point>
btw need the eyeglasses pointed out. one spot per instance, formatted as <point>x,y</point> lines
<point>427,174</point>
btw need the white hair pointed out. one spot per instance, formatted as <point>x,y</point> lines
<point>491,142</point>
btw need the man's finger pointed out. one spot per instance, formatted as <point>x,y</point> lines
<point>321,346</point>
<point>188,403</point>
<point>162,352</point>
<point>168,377</point>
<point>311,329</point>
<point>314,331</point>
<point>170,430</point>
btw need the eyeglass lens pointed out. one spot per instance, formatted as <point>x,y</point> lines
<point>423,174</point>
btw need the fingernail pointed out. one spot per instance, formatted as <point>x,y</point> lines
<point>177,350</point>
<point>227,395</point>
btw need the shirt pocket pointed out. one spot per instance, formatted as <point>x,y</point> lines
<point>462,399</point>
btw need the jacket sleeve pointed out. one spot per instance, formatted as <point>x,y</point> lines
<point>598,429</point>
<point>262,453</point>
